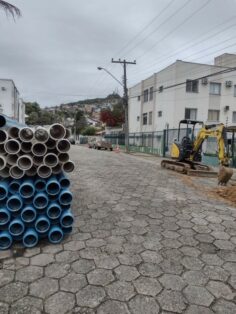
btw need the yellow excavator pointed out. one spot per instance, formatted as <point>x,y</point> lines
<point>186,153</point>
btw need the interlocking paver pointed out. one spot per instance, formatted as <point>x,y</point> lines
<point>6,276</point>
<point>220,290</point>
<point>13,291</point>
<point>90,296</point>
<point>120,290</point>
<point>100,277</point>
<point>27,305</point>
<point>143,304</point>
<point>172,301</point>
<point>43,287</point>
<point>147,286</point>
<point>226,307</point>
<point>126,273</point>
<point>60,303</point>
<point>29,273</point>
<point>114,307</point>
<point>198,295</point>
<point>73,282</point>
<point>172,282</point>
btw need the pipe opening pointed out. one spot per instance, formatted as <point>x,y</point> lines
<point>14,204</point>
<point>16,172</point>
<point>68,166</point>
<point>40,202</point>
<point>5,242</point>
<point>2,121</point>
<point>28,215</point>
<point>65,198</point>
<point>12,159</point>
<point>51,144</point>
<point>65,183</point>
<point>12,147</point>
<point>26,147</point>
<point>3,192</point>
<point>56,236</point>
<point>42,226</point>
<point>30,240</point>
<point>4,218</point>
<point>57,131</point>
<point>41,135</point>
<point>3,136</point>
<point>53,188</point>
<point>26,190</point>
<point>67,221</point>
<point>54,212</point>
<point>51,160</point>
<point>56,169</point>
<point>26,134</point>
<point>14,132</point>
<point>63,146</point>
<point>25,162</point>
<point>39,149</point>
<point>44,171</point>
<point>14,187</point>
<point>16,228</point>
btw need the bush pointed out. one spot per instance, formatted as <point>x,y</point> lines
<point>90,130</point>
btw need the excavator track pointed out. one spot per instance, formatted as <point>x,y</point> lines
<point>191,169</point>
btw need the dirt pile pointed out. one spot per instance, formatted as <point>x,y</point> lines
<point>229,193</point>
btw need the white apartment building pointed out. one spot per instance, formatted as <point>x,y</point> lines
<point>155,104</point>
<point>10,102</point>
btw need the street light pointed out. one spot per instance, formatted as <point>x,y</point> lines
<point>125,101</point>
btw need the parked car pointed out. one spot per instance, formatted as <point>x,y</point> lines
<point>103,144</point>
<point>91,143</point>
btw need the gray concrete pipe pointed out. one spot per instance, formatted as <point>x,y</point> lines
<point>63,146</point>
<point>41,135</point>
<point>16,172</point>
<point>39,149</point>
<point>50,160</point>
<point>12,146</point>
<point>26,134</point>
<point>57,131</point>
<point>44,171</point>
<point>25,162</point>
<point>68,166</point>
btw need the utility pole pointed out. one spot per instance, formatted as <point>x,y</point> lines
<point>125,99</point>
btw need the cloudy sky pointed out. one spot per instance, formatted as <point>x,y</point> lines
<point>52,52</point>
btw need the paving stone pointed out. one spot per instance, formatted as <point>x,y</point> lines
<point>29,273</point>
<point>90,296</point>
<point>83,266</point>
<point>57,270</point>
<point>220,235</point>
<point>170,266</point>
<point>31,252</point>
<point>187,240</point>
<point>132,260</point>
<point>126,273</point>
<point>195,278</point>
<point>230,267</point>
<point>6,276</point>
<point>224,245</point>
<point>43,287</point>
<point>196,309</point>
<point>95,242</point>
<point>220,290</point>
<point>60,303</point>
<point>143,304</point>
<point>52,249</point>
<point>100,277</point>
<point>147,286</point>
<point>212,259</point>
<point>74,245</point>
<point>172,282</point>
<point>224,307</point>
<point>107,262</point>
<point>13,291</point>
<point>205,238</point>
<point>172,301</point>
<point>4,308</point>
<point>228,256</point>
<point>151,257</point>
<point>232,281</point>
<point>73,282</point>
<point>114,307</point>
<point>120,290</point>
<point>216,273</point>
<point>27,305</point>
<point>192,263</point>
<point>171,243</point>
<point>67,256</point>
<point>42,259</point>
<point>198,295</point>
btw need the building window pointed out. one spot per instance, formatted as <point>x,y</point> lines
<point>215,88</point>
<point>138,118</point>
<point>3,89</point>
<point>159,113</point>
<point>234,117</point>
<point>190,114</point>
<point>144,118</point>
<point>145,95</point>
<point>213,115</point>
<point>151,93</point>
<point>192,86</point>
<point>234,90</point>
<point>138,98</point>
<point>150,118</point>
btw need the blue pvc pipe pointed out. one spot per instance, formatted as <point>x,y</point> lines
<point>65,197</point>
<point>54,211</point>
<point>28,201</point>
<point>30,238</point>
<point>3,190</point>
<point>40,184</point>
<point>40,201</point>
<point>14,186</point>
<point>5,216</point>
<point>65,207</point>
<point>27,189</point>
<point>55,235</point>
<point>14,203</point>
<point>42,224</point>
<point>6,122</point>
<point>16,227</point>
<point>63,180</point>
<point>5,240</point>
<point>67,230</point>
<point>28,214</point>
<point>53,198</point>
<point>53,186</point>
<point>66,219</point>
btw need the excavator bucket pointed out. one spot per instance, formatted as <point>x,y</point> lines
<point>224,175</point>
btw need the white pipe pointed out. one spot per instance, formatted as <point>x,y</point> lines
<point>26,134</point>
<point>44,171</point>
<point>12,146</point>
<point>12,159</point>
<point>25,162</point>
<point>57,169</point>
<point>3,162</point>
<point>57,131</point>
<point>63,146</point>
<point>31,172</point>
<point>13,132</point>
<point>63,157</point>
<point>51,144</point>
<point>26,147</point>
<point>39,149</point>
<point>41,135</point>
<point>50,160</point>
<point>38,160</point>
<point>4,173</point>
<point>3,136</point>
<point>16,172</point>
<point>68,166</point>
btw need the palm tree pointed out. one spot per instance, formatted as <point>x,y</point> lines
<point>10,9</point>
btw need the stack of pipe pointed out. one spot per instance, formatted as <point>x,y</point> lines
<point>35,198</point>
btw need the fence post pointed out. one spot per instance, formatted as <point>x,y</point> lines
<point>152,141</point>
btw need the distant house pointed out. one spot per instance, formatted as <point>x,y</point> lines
<point>10,102</point>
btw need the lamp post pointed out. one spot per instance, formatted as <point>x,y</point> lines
<point>125,104</point>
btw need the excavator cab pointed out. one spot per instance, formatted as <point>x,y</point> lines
<point>182,147</point>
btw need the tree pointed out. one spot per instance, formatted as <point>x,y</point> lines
<point>10,9</point>
<point>80,122</point>
<point>114,117</point>
<point>90,130</point>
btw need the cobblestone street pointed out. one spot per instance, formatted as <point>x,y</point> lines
<point>143,242</point>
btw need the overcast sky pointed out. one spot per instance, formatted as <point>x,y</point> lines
<point>53,50</point>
